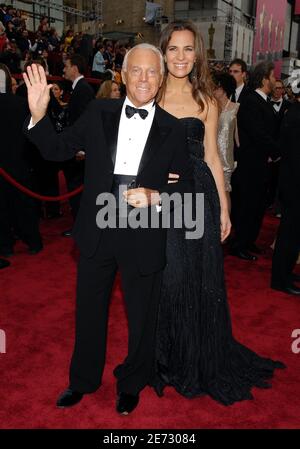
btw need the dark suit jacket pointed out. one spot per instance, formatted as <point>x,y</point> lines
<point>280,115</point>
<point>14,156</point>
<point>289,178</point>
<point>257,128</point>
<point>80,98</point>
<point>97,131</point>
<point>284,108</point>
<point>244,94</point>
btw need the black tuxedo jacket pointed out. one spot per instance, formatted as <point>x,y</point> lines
<point>97,131</point>
<point>244,94</point>
<point>80,98</point>
<point>284,108</point>
<point>14,154</point>
<point>257,130</point>
<point>289,178</point>
<point>280,115</point>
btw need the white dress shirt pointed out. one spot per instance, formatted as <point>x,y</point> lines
<point>238,91</point>
<point>262,94</point>
<point>277,107</point>
<point>132,137</point>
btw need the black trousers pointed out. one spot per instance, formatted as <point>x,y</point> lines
<point>95,280</point>
<point>287,246</point>
<point>273,176</point>
<point>18,213</point>
<point>74,174</point>
<point>46,182</point>
<point>249,198</point>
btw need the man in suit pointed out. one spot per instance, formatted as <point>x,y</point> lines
<point>288,238</point>
<point>257,127</point>
<point>82,94</point>
<point>126,141</point>
<point>18,212</point>
<point>238,69</point>
<point>280,106</point>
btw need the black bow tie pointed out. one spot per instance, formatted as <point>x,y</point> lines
<point>130,111</point>
<point>275,102</point>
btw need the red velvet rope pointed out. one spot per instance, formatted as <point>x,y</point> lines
<point>29,192</point>
<point>50,78</point>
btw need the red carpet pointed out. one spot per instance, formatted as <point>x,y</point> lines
<point>37,305</point>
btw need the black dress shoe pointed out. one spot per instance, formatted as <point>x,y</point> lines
<point>4,263</point>
<point>67,233</point>
<point>34,250</point>
<point>126,403</point>
<point>242,254</point>
<point>295,277</point>
<point>255,249</point>
<point>290,289</point>
<point>69,398</point>
<point>6,252</point>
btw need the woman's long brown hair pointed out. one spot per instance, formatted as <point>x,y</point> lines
<point>105,89</point>
<point>200,78</point>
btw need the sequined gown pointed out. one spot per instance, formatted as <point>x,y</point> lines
<point>226,131</point>
<point>196,352</point>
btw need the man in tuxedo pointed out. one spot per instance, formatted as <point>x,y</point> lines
<point>82,94</point>
<point>238,69</point>
<point>257,127</point>
<point>288,238</point>
<point>126,141</point>
<point>18,212</point>
<point>280,106</point>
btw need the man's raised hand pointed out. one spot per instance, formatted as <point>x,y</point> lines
<point>38,91</point>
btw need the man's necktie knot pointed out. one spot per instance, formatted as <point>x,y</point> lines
<point>130,111</point>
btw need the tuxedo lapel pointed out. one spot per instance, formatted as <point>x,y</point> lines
<point>266,104</point>
<point>158,133</point>
<point>111,120</point>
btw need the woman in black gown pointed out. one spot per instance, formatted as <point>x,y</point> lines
<point>196,352</point>
<point>49,180</point>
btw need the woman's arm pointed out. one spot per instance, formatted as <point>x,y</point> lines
<point>236,129</point>
<point>213,161</point>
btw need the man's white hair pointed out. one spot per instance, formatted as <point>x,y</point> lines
<point>145,46</point>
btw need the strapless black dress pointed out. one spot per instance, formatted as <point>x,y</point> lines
<point>196,352</point>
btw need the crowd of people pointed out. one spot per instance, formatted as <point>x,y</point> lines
<point>242,134</point>
<point>18,46</point>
